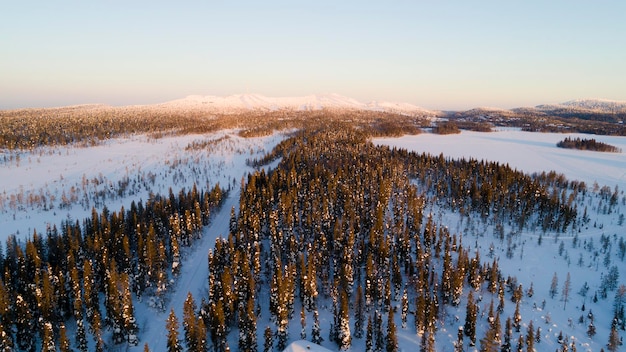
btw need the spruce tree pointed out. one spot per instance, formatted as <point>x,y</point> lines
<point>369,336</point>
<point>591,330</point>
<point>392,339</point>
<point>566,290</point>
<point>190,323</point>
<point>343,333</point>
<point>64,342</point>
<point>47,340</point>
<point>517,318</point>
<point>530,336</point>
<point>25,326</point>
<point>520,344</point>
<point>508,336</point>
<point>491,341</point>
<point>471,312</point>
<point>316,336</point>
<point>379,336</point>
<point>359,311</point>
<point>6,340</point>
<point>173,342</point>
<point>81,337</point>
<point>302,324</point>
<point>269,340</point>
<point>554,285</point>
<point>614,340</point>
<point>405,308</point>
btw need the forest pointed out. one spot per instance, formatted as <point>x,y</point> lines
<point>337,228</point>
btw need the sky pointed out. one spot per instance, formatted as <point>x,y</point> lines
<point>449,55</point>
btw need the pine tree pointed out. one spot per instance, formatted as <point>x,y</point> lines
<point>379,336</point>
<point>591,330</point>
<point>517,318</point>
<point>530,337</point>
<point>458,344</point>
<point>614,340</point>
<point>566,290</point>
<point>520,344</point>
<point>316,336</point>
<point>269,339</point>
<point>392,339</point>
<point>81,337</point>
<point>6,340</point>
<point>47,340</point>
<point>491,341</point>
<point>359,311</point>
<point>24,324</point>
<point>302,324</point>
<point>343,333</point>
<point>538,335</point>
<point>369,336</point>
<point>190,323</point>
<point>173,342</point>
<point>64,342</point>
<point>405,308</point>
<point>470,319</point>
<point>508,336</point>
<point>554,286</point>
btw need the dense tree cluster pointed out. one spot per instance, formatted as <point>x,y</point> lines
<point>342,221</point>
<point>587,144</point>
<point>89,272</point>
<point>446,127</point>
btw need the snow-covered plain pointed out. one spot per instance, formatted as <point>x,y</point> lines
<point>526,151</point>
<point>68,177</point>
<point>586,261</point>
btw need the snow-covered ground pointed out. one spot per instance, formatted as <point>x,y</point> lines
<point>51,184</point>
<point>526,151</point>
<point>583,256</point>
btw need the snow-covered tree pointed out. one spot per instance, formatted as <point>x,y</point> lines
<point>172,326</point>
<point>471,312</point>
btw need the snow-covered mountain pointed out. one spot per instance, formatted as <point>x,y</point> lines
<point>595,105</point>
<point>247,102</point>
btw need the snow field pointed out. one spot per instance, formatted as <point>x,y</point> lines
<point>532,263</point>
<point>155,165</point>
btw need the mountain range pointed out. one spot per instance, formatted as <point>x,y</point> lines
<point>258,102</point>
<point>246,102</point>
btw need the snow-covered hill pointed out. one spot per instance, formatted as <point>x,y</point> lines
<point>247,102</point>
<point>595,105</point>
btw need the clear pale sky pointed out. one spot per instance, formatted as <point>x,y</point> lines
<point>435,54</point>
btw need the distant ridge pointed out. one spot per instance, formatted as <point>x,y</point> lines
<point>595,105</point>
<point>257,102</point>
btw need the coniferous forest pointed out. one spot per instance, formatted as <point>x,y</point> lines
<point>349,240</point>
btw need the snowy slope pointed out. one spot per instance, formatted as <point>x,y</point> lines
<point>599,105</point>
<point>247,102</point>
